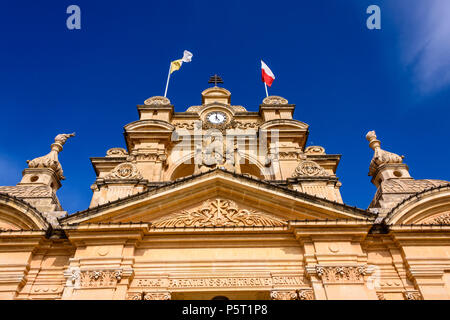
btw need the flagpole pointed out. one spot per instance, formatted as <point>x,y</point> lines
<point>168,78</point>
<point>265,86</point>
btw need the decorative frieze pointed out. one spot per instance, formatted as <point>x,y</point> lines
<point>218,213</point>
<point>221,282</point>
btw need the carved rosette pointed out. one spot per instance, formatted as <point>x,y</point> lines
<point>124,171</point>
<point>157,100</point>
<point>412,295</point>
<point>116,152</point>
<point>274,100</point>
<point>283,295</point>
<point>339,274</point>
<point>441,219</point>
<point>218,213</point>
<point>308,168</point>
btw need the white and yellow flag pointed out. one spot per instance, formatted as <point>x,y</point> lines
<point>176,64</point>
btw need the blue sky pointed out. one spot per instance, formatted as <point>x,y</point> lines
<point>344,78</point>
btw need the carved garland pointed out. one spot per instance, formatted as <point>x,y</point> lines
<point>218,213</point>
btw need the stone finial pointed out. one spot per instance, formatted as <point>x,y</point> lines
<point>50,160</point>
<point>380,156</point>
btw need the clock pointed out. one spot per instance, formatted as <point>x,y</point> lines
<point>216,117</point>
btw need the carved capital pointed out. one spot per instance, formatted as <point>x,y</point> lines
<point>339,274</point>
<point>283,295</point>
<point>305,294</point>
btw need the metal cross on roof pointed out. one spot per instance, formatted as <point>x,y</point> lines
<point>215,79</point>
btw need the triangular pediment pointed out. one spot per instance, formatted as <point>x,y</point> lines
<point>218,198</point>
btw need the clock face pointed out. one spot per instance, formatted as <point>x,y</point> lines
<point>216,117</point>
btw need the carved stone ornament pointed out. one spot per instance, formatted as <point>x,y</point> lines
<point>310,169</point>
<point>218,213</point>
<point>99,278</point>
<point>315,150</point>
<point>275,100</point>
<point>380,156</point>
<point>124,171</point>
<point>338,274</point>
<point>283,295</point>
<point>149,296</point>
<point>381,296</point>
<point>441,219</point>
<point>412,295</point>
<point>157,100</point>
<point>50,160</point>
<point>305,294</point>
<point>116,152</point>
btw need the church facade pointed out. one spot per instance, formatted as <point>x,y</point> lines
<point>218,202</point>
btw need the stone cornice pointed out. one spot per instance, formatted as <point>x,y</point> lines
<point>143,195</point>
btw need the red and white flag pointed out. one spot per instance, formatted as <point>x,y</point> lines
<point>267,75</point>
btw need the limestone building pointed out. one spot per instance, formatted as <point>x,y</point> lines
<point>220,202</point>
